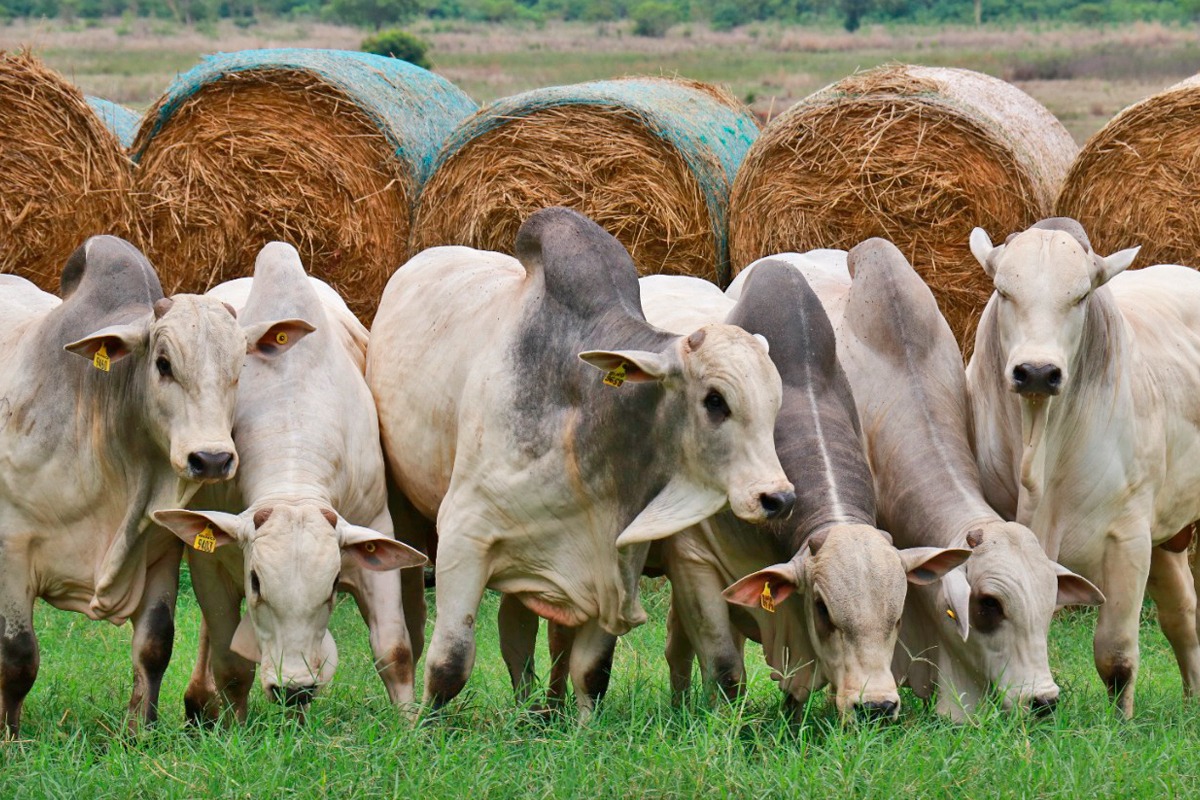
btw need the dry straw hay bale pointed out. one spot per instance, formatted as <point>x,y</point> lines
<point>917,155</point>
<point>323,149</point>
<point>1137,180</point>
<point>651,160</point>
<point>63,174</point>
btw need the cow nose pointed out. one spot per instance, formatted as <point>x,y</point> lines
<point>876,711</point>
<point>209,465</point>
<point>1037,379</point>
<point>1043,706</point>
<point>293,696</point>
<point>777,504</point>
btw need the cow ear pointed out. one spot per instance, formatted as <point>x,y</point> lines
<point>635,366</point>
<point>271,339</point>
<point>955,600</point>
<point>1105,268</point>
<point>374,551</point>
<point>981,248</point>
<point>190,525</point>
<point>924,565</point>
<point>1075,590</point>
<point>118,341</point>
<point>245,640</point>
<point>771,586</point>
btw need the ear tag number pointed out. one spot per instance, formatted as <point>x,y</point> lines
<point>205,542</point>
<point>616,377</point>
<point>765,600</point>
<point>281,338</point>
<point>101,361</point>
<point>950,613</point>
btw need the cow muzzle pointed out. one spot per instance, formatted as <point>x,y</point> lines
<point>205,465</point>
<point>293,696</point>
<point>777,505</point>
<point>1037,379</point>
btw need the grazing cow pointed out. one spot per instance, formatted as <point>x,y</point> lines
<point>551,465</point>
<point>1084,385</point>
<point>114,402</point>
<point>312,467</point>
<point>848,578</point>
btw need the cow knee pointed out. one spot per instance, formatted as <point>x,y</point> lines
<point>595,679</point>
<point>447,676</point>
<point>1118,676</point>
<point>18,671</point>
<point>727,675</point>
<point>157,643</point>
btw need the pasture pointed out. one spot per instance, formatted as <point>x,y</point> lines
<point>354,744</point>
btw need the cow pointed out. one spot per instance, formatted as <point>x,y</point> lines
<point>114,402</point>
<point>308,513</point>
<point>1084,383</point>
<point>984,627</point>
<point>549,464</point>
<point>849,581</point>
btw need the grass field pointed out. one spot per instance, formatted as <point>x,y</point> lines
<point>354,745</point>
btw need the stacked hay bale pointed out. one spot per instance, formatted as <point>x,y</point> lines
<point>649,159</point>
<point>123,122</point>
<point>917,155</point>
<point>1135,181</point>
<point>323,149</point>
<point>63,174</point>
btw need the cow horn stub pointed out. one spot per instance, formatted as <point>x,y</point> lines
<point>261,516</point>
<point>816,540</point>
<point>974,538</point>
<point>161,306</point>
<point>330,516</point>
<point>695,340</point>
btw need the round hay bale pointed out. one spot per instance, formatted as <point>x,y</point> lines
<point>651,160</point>
<point>63,174</point>
<point>917,155</point>
<point>122,121</point>
<point>323,149</point>
<point>1135,181</point>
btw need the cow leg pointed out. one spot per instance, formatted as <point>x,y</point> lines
<point>704,615</point>
<point>562,642</point>
<point>591,666</point>
<point>680,655</point>
<point>412,595</point>
<point>1124,570</point>
<point>19,658</point>
<point>461,578</point>
<point>518,643</point>
<point>153,637</point>
<point>378,597</point>
<point>415,531</point>
<point>220,600</point>
<point>200,705</point>
<point>1170,585</point>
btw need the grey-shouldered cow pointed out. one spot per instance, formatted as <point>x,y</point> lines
<point>549,477</point>
<point>910,390</point>
<point>1084,384</point>
<point>849,580</point>
<point>113,403</point>
<point>311,473</point>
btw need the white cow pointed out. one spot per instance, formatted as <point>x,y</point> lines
<point>1084,383</point>
<point>113,403</point>
<point>549,464</point>
<point>312,467</point>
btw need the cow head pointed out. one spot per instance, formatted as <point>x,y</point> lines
<point>1044,279</point>
<point>293,558</point>
<point>1001,603</point>
<point>731,393</point>
<point>851,583</point>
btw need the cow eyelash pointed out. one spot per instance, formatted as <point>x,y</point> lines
<point>715,405</point>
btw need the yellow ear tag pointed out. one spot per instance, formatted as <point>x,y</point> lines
<point>205,542</point>
<point>616,377</point>
<point>101,360</point>
<point>765,600</point>
<point>369,547</point>
<point>950,613</point>
<point>281,338</point>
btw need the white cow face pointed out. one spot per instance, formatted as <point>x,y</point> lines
<point>293,558</point>
<point>852,584</point>
<point>1044,279</point>
<point>1002,602</point>
<point>732,393</point>
<point>190,354</point>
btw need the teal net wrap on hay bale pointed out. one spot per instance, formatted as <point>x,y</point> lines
<point>120,120</point>
<point>324,149</point>
<point>706,130</point>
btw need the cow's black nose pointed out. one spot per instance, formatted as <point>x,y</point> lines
<point>293,696</point>
<point>1043,706</point>
<point>1045,379</point>
<point>876,711</point>
<point>777,504</point>
<point>210,465</point>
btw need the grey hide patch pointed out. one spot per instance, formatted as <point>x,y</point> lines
<point>106,281</point>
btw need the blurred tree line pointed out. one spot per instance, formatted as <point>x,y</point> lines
<point>650,17</point>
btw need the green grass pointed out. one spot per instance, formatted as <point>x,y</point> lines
<point>354,745</point>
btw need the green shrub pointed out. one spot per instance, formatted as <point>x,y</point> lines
<point>653,18</point>
<point>398,44</point>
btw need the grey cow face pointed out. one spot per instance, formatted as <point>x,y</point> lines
<point>294,555</point>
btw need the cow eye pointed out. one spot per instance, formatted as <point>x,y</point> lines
<point>254,586</point>
<point>715,405</point>
<point>825,624</point>
<point>164,367</point>
<point>987,612</point>
<point>333,594</point>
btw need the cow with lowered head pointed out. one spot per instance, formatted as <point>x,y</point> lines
<point>114,402</point>
<point>528,407</point>
<point>1084,385</point>
<point>307,512</point>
